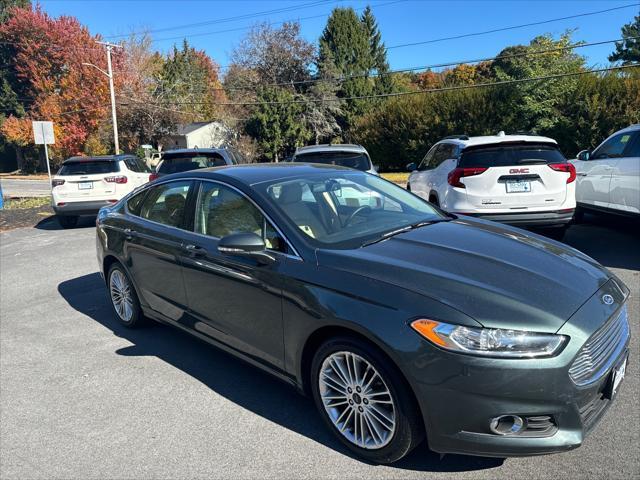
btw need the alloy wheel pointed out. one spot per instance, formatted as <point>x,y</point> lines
<point>357,400</point>
<point>121,297</point>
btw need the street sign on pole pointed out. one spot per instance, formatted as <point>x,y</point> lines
<point>43,135</point>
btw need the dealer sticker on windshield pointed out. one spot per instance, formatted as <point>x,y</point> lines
<point>518,186</point>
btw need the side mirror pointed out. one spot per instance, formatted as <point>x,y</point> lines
<point>376,168</point>
<point>412,167</point>
<point>583,155</point>
<point>245,245</point>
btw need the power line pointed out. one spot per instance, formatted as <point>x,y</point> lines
<point>228,19</point>
<point>513,27</point>
<point>279,22</point>
<point>412,69</point>
<point>414,92</point>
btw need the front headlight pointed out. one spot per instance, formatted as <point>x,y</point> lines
<point>489,342</point>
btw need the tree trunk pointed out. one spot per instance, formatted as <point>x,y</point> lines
<point>20,158</point>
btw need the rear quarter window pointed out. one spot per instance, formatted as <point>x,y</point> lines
<point>510,155</point>
<point>88,167</point>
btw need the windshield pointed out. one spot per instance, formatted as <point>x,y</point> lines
<point>347,209</point>
<point>510,155</point>
<point>88,167</point>
<point>184,161</point>
<point>358,161</point>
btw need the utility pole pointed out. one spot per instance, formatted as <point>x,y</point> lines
<point>109,74</point>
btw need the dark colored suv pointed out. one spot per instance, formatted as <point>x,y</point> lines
<point>176,161</point>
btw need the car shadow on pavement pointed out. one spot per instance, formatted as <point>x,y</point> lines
<point>609,239</point>
<point>234,379</point>
<point>52,223</point>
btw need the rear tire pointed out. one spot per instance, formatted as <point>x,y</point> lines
<point>376,417</point>
<point>124,299</point>
<point>434,201</point>
<point>68,221</point>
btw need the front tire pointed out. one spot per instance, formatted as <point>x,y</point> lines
<point>124,299</point>
<point>365,401</point>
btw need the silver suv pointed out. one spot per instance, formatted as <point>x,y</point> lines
<point>344,155</point>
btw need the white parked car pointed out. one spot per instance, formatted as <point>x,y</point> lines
<point>521,180</point>
<point>83,185</point>
<point>344,155</point>
<point>609,177</point>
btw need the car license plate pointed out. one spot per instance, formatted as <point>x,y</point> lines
<point>518,186</point>
<point>85,185</point>
<point>618,375</point>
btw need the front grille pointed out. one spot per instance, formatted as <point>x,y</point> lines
<point>593,410</point>
<point>603,347</point>
<point>540,426</point>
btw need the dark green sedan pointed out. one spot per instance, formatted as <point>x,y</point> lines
<point>403,323</point>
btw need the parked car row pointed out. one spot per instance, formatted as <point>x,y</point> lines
<point>525,180</point>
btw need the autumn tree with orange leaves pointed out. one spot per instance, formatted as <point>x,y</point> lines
<point>48,80</point>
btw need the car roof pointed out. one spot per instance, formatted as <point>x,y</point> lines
<point>501,137</point>
<point>254,173</point>
<point>194,150</point>
<point>630,128</point>
<point>331,147</point>
<point>98,158</point>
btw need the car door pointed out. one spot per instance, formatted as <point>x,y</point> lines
<point>233,299</point>
<point>594,174</point>
<point>153,247</point>
<point>419,179</point>
<point>625,179</point>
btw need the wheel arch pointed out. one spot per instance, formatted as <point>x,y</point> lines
<point>322,334</point>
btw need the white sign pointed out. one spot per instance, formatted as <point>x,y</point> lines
<point>43,133</point>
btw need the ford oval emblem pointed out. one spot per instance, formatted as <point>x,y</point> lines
<point>607,299</point>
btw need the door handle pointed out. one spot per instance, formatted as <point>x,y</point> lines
<point>128,233</point>
<point>195,250</point>
<point>582,174</point>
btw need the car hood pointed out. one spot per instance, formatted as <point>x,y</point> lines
<point>500,276</point>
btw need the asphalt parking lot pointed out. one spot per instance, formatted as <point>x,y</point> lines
<point>82,397</point>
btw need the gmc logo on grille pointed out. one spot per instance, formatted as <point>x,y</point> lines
<point>519,170</point>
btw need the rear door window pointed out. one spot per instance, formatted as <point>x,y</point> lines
<point>510,155</point>
<point>634,150</point>
<point>88,167</point>
<point>444,152</point>
<point>182,162</point>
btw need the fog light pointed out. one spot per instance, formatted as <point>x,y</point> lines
<point>506,425</point>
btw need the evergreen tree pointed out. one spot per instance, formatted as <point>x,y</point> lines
<point>277,123</point>
<point>352,47</point>
<point>628,50</point>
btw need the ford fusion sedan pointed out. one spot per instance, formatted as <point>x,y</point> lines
<point>401,321</point>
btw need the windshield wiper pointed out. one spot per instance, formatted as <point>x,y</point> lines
<point>398,231</point>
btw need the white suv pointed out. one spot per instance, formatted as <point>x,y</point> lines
<point>521,180</point>
<point>83,185</point>
<point>609,177</point>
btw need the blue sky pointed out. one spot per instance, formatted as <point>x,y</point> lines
<point>401,22</point>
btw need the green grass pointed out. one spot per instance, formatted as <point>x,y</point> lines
<point>397,177</point>
<point>27,202</point>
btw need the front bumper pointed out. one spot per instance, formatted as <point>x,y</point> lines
<point>81,208</point>
<point>460,394</point>
<point>555,218</point>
